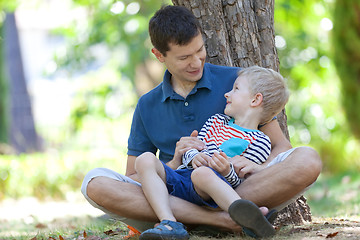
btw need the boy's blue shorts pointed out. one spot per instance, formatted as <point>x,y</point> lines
<point>179,184</point>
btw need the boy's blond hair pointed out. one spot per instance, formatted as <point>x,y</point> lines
<point>271,85</point>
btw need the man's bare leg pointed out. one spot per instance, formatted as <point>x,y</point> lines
<point>281,182</point>
<point>128,200</point>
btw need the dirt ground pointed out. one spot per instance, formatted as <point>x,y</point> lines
<point>319,228</point>
<point>31,211</point>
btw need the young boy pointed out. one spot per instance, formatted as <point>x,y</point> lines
<point>207,177</point>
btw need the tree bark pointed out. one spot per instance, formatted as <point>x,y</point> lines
<point>23,136</point>
<point>241,33</point>
<point>346,43</point>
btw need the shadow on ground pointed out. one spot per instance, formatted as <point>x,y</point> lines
<point>101,228</point>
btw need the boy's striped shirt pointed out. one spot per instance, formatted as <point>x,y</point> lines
<point>221,134</point>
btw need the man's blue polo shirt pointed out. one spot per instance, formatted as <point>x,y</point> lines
<point>162,116</point>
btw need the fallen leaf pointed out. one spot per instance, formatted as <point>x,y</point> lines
<point>133,229</point>
<point>331,235</point>
<point>110,232</point>
<point>113,233</point>
<point>320,234</point>
<point>40,225</point>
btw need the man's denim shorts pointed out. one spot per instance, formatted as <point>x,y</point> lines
<point>179,184</point>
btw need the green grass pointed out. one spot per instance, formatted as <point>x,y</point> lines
<point>52,175</point>
<point>66,228</point>
<point>335,195</point>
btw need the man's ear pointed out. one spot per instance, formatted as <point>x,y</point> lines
<point>158,55</point>
<point>257,100</point>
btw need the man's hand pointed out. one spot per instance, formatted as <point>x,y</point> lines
<point>201,159</point>
<point>244,167</point>
<point>183,145</point>
<point>220,163</point>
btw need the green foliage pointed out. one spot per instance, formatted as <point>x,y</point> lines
<point>105,100</point>
<point>315,114</point>
<point>118,28</point>
<point>335,195</point>
<point>346,39</point>
<point>51,175</point>
<point>117,32</point>
<point>305,60</point>
<point>7,5</point>
<point>110,41</point>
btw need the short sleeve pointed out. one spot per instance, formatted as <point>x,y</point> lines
<point>139,141</point>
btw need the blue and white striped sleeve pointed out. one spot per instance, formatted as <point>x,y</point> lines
<point>190,154</point>
<point>188,157</point>
<point>232,177</point>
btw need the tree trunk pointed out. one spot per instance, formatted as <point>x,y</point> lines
<point>241,33</point>
<point>23,136</point>
<point>346,41</point>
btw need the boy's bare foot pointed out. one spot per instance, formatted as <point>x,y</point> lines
<point>264,210</point>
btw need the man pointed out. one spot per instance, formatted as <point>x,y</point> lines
<point>191,92</point>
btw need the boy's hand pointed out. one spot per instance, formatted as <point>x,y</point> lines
<point>244,167</point>
<point>183,145</point>
<point>201,159</point>
<point>220,163</point>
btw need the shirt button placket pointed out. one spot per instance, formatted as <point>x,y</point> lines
<point>188,112</point>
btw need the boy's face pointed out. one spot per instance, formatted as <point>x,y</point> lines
<point>185,62</point>
<point>239,99</point>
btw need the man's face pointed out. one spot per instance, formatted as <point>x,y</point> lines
<point>185,62</point>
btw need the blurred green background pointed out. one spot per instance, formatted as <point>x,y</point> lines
<point>99,63</point>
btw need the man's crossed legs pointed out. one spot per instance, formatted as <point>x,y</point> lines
<point>286,178</point>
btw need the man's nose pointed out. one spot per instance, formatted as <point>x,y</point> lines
<point>196,62</point>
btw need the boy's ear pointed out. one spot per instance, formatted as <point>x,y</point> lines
<point>257,100</point>
<point>158,55</point>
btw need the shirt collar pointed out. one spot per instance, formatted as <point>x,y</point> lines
<point>232,124</point>
<point>204,82</point>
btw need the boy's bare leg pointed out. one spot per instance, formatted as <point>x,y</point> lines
<point>269,187</point>
<point>279,183</point>
<point>152,176</point>
<point>209,186</point>
<point>128,200</point>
